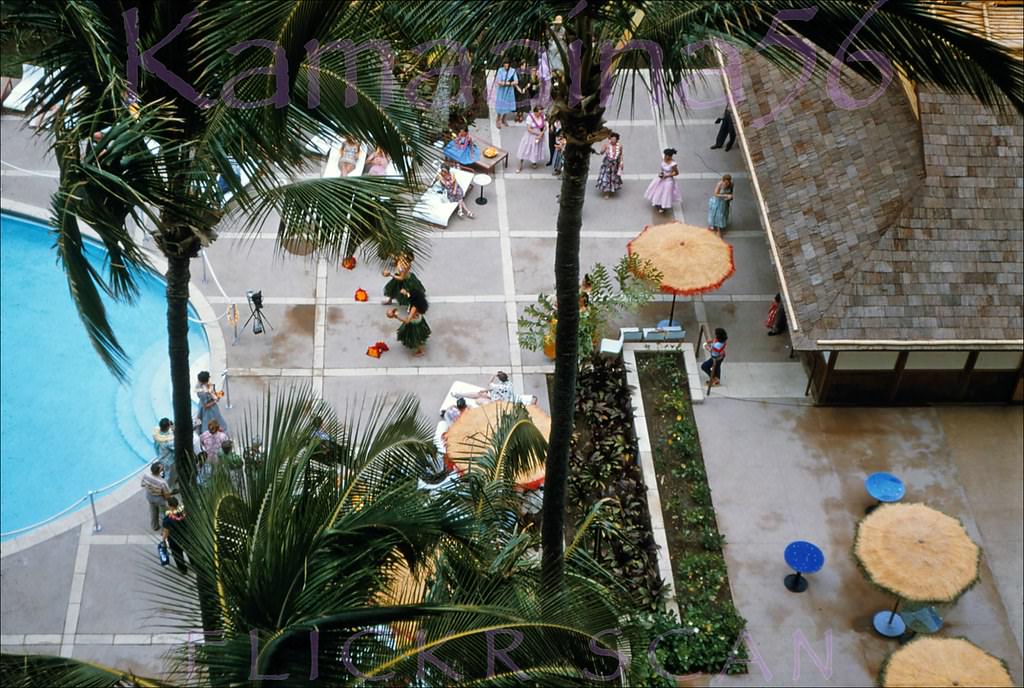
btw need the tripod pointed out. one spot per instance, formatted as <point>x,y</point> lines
<point>260,322</point>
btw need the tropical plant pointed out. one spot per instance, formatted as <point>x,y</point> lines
<point>915,35</point>
<point>336,540</point>
<point>142,143</point>
<point>633,282</point>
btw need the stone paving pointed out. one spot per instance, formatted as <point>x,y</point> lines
<point>781,472</point>
<point>96,596</point>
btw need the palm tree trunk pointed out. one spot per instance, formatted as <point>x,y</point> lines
<point>177,348</point>
<point>563,403</point>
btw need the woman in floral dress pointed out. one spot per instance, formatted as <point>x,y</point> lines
<point>453,191</point>
<point>609,179</point>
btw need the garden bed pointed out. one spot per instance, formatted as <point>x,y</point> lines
<point>701,579</point>
<point>604,464</point>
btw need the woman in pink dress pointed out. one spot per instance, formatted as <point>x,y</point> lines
<point>532,148</point>
<point>663,192</point>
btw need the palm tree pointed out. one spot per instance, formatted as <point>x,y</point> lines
<point>333,540</point>
<point>137,148</point>
<point>918,39</point>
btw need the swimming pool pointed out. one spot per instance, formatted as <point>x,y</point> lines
<point>66,425</point>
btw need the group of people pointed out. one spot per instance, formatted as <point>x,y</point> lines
<point>663,191</point>
<point>212,447</point>
<point>405,288</point>
<point>376,162</point>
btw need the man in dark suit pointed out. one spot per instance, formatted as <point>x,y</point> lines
<point>725,130</point>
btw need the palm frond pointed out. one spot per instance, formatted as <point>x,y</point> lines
<point>43,671</point>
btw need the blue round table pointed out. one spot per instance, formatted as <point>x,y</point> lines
<point>884,488</point>
<point>803,557</point>
<point>667,323</point>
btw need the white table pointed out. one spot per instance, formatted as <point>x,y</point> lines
<point>481,180</point>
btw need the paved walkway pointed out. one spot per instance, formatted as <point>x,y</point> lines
<point>96,596</point>
<point>781,471</point>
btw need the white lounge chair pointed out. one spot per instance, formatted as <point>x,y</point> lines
<point>20,96</point>
<point>434,206</point>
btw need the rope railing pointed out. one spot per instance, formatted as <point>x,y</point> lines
<point>75,505</point>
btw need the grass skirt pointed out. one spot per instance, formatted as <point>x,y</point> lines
<point>415,333</point>
<point>394,287</point>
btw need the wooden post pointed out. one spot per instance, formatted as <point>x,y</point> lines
<point>901,363</point>
<point>965,375</point>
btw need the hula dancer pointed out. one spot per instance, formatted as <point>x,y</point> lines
<point>414,330</point>
<point>402,280</point>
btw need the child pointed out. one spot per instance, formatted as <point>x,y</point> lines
<point>559,155</point>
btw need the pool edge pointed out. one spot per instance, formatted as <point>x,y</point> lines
<point>218,361</point>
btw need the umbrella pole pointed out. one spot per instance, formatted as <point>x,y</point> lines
<point>895,608</point>
<point>672,311</point>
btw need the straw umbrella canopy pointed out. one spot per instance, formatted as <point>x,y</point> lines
<point>692,260</point>
<point>915,553</point>
<point>474,429</point>
<point>943,662</point>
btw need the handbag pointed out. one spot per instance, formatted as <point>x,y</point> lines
<point>162,554</point>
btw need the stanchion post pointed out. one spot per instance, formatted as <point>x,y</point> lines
<point>96,527</point>
<point>227,388</point>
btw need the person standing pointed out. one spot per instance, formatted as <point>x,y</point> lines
<point>163,444</point>
<point>208,397</point>
<point>609,179</point>
<point>776,320</point>
<point>401,278</point>
<point>233,463</point>
<point>663,192</point>
<point>156,491</point>
<point>174,532</point>
<point>414,330</point>
<point>716,353</point>
<point>505,82</point>
<point>211,442</point>
<point>719,204</point>
<point>531,147</point>
<point>559,156</point>
<point>726,130</point>
<point>554,131</point>
<point>544,73</point>
<point>523,90</point>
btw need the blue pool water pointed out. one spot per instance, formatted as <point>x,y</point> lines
<point>66,425</point>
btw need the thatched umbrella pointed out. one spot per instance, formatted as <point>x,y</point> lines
<point>474,429</point>
<point>943,662</point>
<point>692,260</point>
<point>915,553</point>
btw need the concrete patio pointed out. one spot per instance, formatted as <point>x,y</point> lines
<point>96,596</point>
<point>781,472</point>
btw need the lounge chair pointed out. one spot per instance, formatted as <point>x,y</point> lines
<point>21,95</point>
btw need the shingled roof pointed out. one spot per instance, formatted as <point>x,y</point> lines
<point>890,224</point>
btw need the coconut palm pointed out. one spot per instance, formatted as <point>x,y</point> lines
<point>335,539</point>
<point>147,152</point>
<point>917,36</point>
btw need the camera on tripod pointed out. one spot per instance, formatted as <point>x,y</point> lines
<point>259,321</point>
